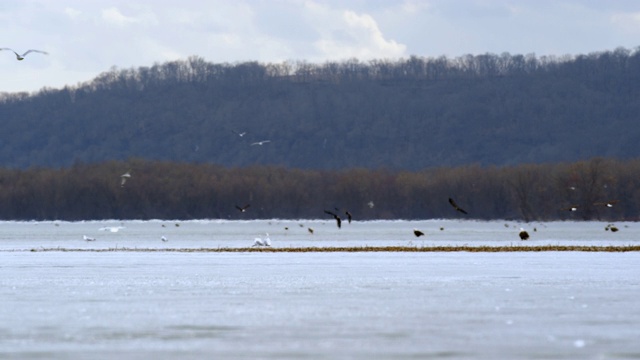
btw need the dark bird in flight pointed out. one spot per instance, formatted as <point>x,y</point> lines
<point>606,203</point>
<point>348,215</point>
<point>243,209</point>
<point>570,208</point>
<point>524,235</point>
<point>417,233</point>
<point>21,57</point>
<point>455,206</point>
<point>335,216</point>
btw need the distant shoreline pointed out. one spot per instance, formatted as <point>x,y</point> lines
<point>358,249</point>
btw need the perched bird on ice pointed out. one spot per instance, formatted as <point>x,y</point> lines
<point>524,235</point>
<point>164,238</point>
<point>21,57</point>
<point>262,242</point>
<point>417,233</point>
<point>87,238</point>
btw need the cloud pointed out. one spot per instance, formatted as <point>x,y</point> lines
<point>343,34</point>
<point>114,16</point>
<point>628,22</point>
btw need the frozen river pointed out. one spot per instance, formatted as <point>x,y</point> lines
<point>140,305</point>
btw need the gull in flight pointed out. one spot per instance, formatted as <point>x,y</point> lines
<point>124,178</point>
<point>261,142</point>
<point>21,57</point>
<point>241,134</point>
<point>262,242</point>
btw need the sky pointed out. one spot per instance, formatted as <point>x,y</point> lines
<point>84,38</point>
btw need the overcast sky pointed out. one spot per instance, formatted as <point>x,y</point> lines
<point>84,37</point>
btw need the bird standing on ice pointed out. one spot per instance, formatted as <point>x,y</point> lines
<point>87,238</point>
<point>21,57</point>
<point>524,235</point>
<point>262,242</point>
<point>417,233</point>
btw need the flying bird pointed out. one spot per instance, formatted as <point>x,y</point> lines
<point>371,204</point>
<point>606,203</point>
<point>261,142</point>
<point>348,215</point>
<point>335,216</point>
<point>524,235</point>
<point>417,233</point>
<point>455,206</point>
<point>570,208</point>
<point>21,57</point>
<point>243,209</point>
<point>124,178</point>
<point>241,134</point>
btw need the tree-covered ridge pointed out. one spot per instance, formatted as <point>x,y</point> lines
<point>169,190</point>
<point>409,114</point>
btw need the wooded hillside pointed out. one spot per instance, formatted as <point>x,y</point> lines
<point>409,114</point>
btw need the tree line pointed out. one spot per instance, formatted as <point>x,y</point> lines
<point>406,114</point>
<point>170,190</point>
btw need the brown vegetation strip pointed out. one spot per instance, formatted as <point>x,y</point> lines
<point>626,248</point>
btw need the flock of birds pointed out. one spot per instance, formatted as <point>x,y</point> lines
<point>523,234</point>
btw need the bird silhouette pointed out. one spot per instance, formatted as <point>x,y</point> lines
<point>417,233</point>
<point>455,206</point>
<point>335,216</point>
<point>570,208</point>
<point>606,203</point>
<point>21,57</point>
<point>348,215</point>
<point>243,209</point>
<point>524,235</point>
